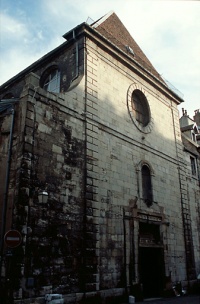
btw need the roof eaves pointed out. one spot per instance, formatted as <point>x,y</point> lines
<point>73,33</point>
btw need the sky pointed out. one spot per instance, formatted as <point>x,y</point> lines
<point>168,32</point>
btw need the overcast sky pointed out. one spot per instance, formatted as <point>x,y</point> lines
<point>168,32</point>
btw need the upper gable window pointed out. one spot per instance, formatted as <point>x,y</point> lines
<point>140,107</point>
<point>51,80</point>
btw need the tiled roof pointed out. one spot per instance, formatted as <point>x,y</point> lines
<point>113,29</point>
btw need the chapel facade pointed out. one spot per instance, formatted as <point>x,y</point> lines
<point>94,176</point>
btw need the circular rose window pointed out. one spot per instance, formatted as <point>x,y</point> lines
<point>139,109</point>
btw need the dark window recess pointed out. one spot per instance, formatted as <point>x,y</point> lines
<point>193,165</point>
<point>140,108</point>
<point>147,186</point>
<point>30,283</point>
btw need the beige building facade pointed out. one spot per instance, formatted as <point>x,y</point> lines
<point>94,175</point>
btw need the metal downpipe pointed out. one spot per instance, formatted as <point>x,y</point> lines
<point>4,209</point>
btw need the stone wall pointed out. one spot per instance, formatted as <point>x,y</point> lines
<point>83,149</point>
<point>122,148</point>
<point>53,161</point>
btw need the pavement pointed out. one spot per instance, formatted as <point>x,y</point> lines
<point>188,299</point>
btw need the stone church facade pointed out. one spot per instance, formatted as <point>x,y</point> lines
<point>93,174</point>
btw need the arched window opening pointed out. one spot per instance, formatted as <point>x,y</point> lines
<point>51,80</point>
<point>147,185</point>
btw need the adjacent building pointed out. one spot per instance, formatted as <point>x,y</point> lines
<point>190,133</point>
<point>97,196</point>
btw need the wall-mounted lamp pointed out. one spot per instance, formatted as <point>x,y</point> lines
<point>43,197</point>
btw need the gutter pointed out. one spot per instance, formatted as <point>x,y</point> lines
<point>84,242</point>
<point>125,260</point>
<point>77,61</point>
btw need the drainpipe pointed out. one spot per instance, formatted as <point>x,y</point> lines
<point>77,61</point>
<point>85,176</point>
<point>125,274</point>
<point>5,199</point>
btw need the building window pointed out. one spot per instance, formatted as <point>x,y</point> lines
<point>51,80</point>
<point>193,165</point>
<point>193,136</point>
<point>147,185</point>
<point>140,107</point>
